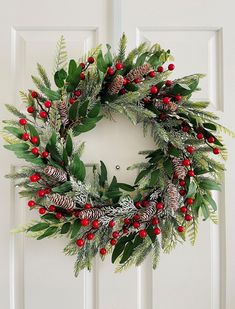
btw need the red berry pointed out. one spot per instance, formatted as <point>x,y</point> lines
<point>182,192</point>
<point>71,100</point>
<point>200,135</point>
<point>136,224</point>
<point>80,242</point>
<point>125,230</point>
<point>166,100</point>
<point>82,76</point>
<point>190,149</point>
<point>47,190</point>
<point>76,213</point>
<point>183,209</point>
<point>43,114</point>
<point>152,74</point>
<point>159,205</point>
<point>25,136</point>
<point>185,129</point>
<point>45,154</point>
<point>182,183</point>
<point>125,81</point>
<point>95,224</point>
<point>210,139</point>
<point>58,215</point>
<point>118,66</point>
<point>82,65</point>
<point>31,203</point>
<point>180,228</point>
<point>103,251</point>
<point>157,231</point>
<point>115,234</point>
<point>137,80</point>
<point>126,221</point>
<point>175,176</point>
<point>216,151</point>
<point>34,94</point>
<point>23,121</point>
<point>155,221</point>
<point>51,208</point>
<point>42,210</point>
<point>160,69</point>
<point>153,90</point>
<point>110,71</point>
<point>111,223</point>
<point>41,193</point>
<point>145,203</point>
<point>87,206</point>
<point>34,177</point>
<point>47,104</point>
<point>122,91</point>
<point>136,217</point>
<point>188,217</point>
<point>84,222</point>
<point>186,162</point>
<point>113,242</point>
<point>189,201</point>
<point>35,151</point>
<point>191,173</point>
<point>34,140</point>
<point>30,109</point>
<point>77,93</point>
<point>90,236</point>
<point>90,60</point>
<point>168,83</point>
<point>138,204</point>
<point>171,67</point>
<point>142,233</point>
<point>178,98</point>
<point>162,116</point>
<point>146,100</point>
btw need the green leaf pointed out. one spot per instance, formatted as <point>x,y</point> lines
<point>129,248</point>
<point>120,246</point>
<point>101,64</point>
<point>83,128</point>
<point>191,189</point>
<point>196,204</point>
<point>125,187</point>
<point>50,231</point>
<point>168,167</point>
<point>51,94</point>
<point>59,78</point>
<point>210,126</point>
<point>38,227</point>
<point>33,132</point>
<point>141,59</point>
<point>65,228</point>
<point>73,111</point>
<point>69,146</point>
<point>94,112</point>
<point>154,60</point>
<point>75,228</point>
<point>72,67</point>
<point>210,200</point>
<point>64,187</point>
<point>108,56</point>
<point>141,175</point>
<point>103,174</point>
<point>154,177</point>
<point>52,148</point>
<point>83,108</point>
<point>151,233</point>
<point>113,184</point>
<point>77,168</point>
<point>18,132</point>
<point>209,184</point>
<point>50,217</point>
<point>205,211</point>
<point>16,147</point>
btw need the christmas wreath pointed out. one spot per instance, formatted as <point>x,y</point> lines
<point>174,183</point>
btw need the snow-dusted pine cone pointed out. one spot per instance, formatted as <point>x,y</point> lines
<point>91,213</point>
<point>172,196</point>
<point>116,85</point>
<point>179,169</point>
<point>139,72</point>
<point>62,201</point>
<point>63,111</point>
<point>173,107</point>
<point>55,173</point>
<point>148,213</point>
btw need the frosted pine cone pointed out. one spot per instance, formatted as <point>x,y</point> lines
<point>91,213</point>
<point>56,173</point>
<point>172,196</point>
<point>139,72</point>
<point>179,169</point>
<point>148,213</point>
<point>62,201</point>
<point>173,107</point>
<point>63,111</point>
<point>116,85</point>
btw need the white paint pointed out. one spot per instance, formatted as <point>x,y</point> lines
<point>36,274</point>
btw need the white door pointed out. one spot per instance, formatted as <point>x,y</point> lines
<point>36,274</point>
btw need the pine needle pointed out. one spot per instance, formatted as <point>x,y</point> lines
<point>60,61</point>
<point>12,109</point>
<point>122,48</point>
<point>43,75</point>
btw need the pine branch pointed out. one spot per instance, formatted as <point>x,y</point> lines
<point>156,253</point>
<point>61,55</point>
<point>192,230</point>
<point>43,75</point>
<point>122,48</point>
<point>12,109</point>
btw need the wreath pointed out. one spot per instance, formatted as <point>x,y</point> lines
<point>173,188</point>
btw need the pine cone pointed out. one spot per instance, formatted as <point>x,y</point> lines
<point>91,213</point>
<point>139,72</point>
<point>148,213</point>
<point>173,107</point>
<point>116,85</point>
<point>172,196</point>
<point>63,111</point>
<point>56,173</point>
<point>62,201</point>
<point>179,169</point>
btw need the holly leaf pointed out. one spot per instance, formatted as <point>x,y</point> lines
<point>65,228</point>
